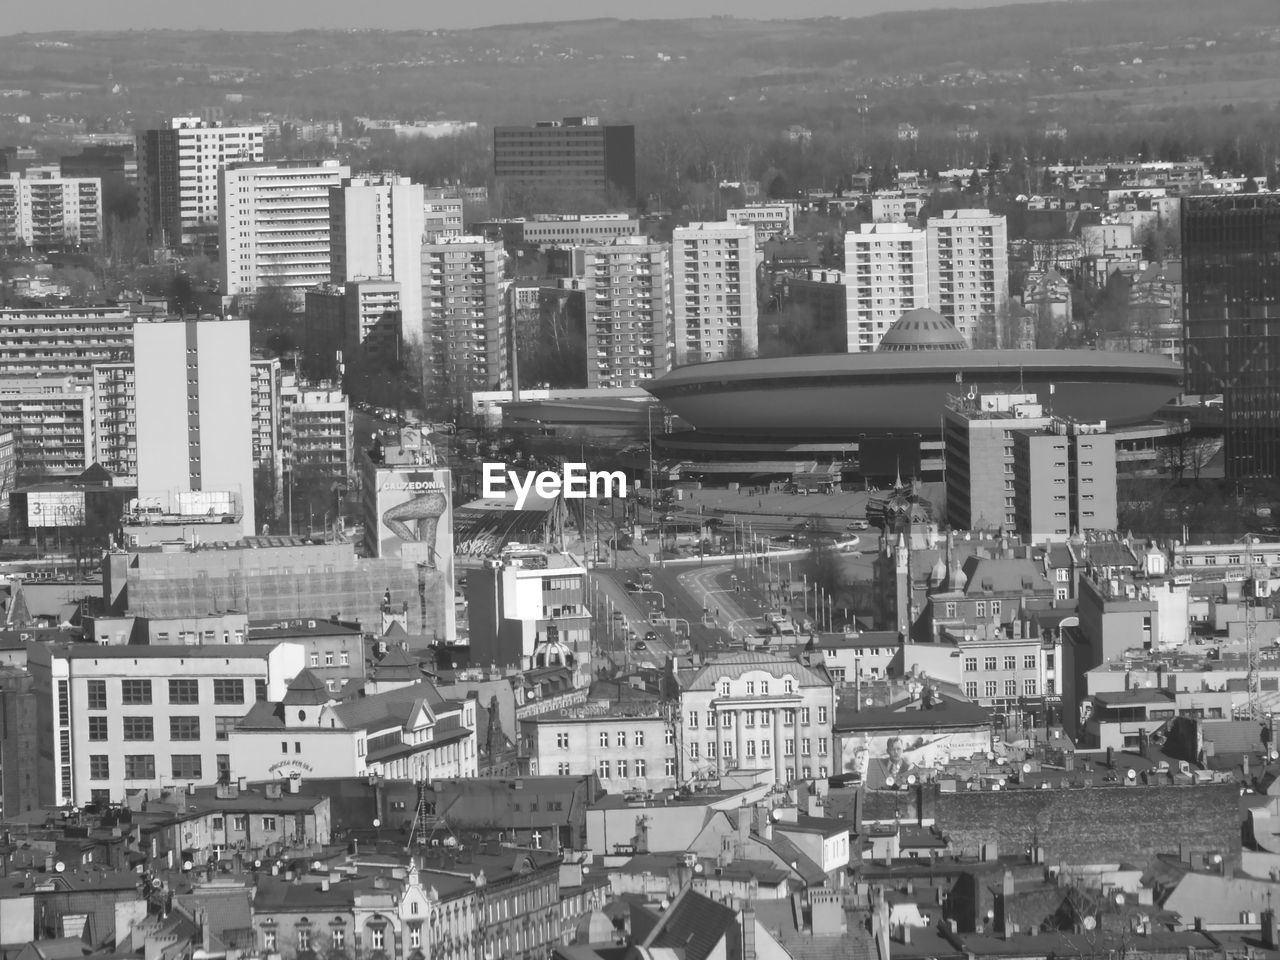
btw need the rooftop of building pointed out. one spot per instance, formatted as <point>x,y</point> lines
<point>731,666</point>
<point>922,329</point>
<point>910,714</point>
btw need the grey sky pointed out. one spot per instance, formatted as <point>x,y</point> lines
<point>410,14</point>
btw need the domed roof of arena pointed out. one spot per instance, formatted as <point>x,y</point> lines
<point>922,329</point>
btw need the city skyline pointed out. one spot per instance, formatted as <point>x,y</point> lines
<point>287,15</point>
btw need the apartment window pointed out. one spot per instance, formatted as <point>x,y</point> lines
<point>980,608</point>
<point>140,766</point>
<point>989,688</point>
<point>1011,663</point>
<point>995,608</point>
<point>1029,662</point>
<point>377,938</point>
<point>1011,688</point>
<point>184,728</point>
<point>97,694</point>
<point>338,937</point>
<point>603,770</point>
<point>328,658</point>
<point>269,823</point>
<point>971,689</point>
<point>724,688</point>
<point>822,746</point>
<point>224,767</point>
<point>989,663</point>
<point>99,767</point>
<point>228,691</point>
<point>788,686</point>
<point>804,747</point>
<point>669,767</point>
<point>304,939</point>
<point>1050,687</point>
<point>1029,688</point>
<point>315,660</point>
<point>135,692</point>
<point>668,737</point>
<point>240,822</point>
<point>415,934</point>
<point>804,716</point>
<point>186,766</point>
<point>693,750</point>
<point>640,768</point>
<point>97,728</point>
<point>726,719</point>
<point>751,687</point>
<point>604,739</point>
<point>822,714</point>
<point>344,658</point>
<point>562,741</point>
<point>751,748</point>
<point>764,688</point>
<point>184,691</point>
<point>562,769</point>
<point>222,727</point>
<point>950,609</point>
<point>139,728</point>
<point>693,718</point>
<point>269,941</point>
<point>622,769</point>
<point>639,738</point>
<point>620,738</point>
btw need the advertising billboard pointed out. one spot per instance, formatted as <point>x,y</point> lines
<point>886,758</point>
<point>60,508</point>
<point>415,515</point>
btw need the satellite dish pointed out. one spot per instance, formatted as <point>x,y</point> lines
<point>376,823</point>
<point>1001,761</point>
<point>59,867</point>
<point>585,869</point>
<point>1217,858</point>
<point>665,903</point>
<point>990,756</point>
<point>869,702</point>
<point>889,782</point>
<point>1119,898</point>
<point>1275,754</point>
<point>186,864</point>
<point>698,868</point>
<point>257,864</point>
<point>1088,923</point>
<point>911,779</point>
<point>1026,768</point>
<point>1130,774</point>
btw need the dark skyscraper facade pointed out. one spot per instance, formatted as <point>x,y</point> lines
<point>1231,281</point>
<point>577,154</point>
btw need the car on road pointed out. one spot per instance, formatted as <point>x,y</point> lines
<point>650,637</point>
<point>857,525</point>
<point>619,616</point>
<point>639,646</point>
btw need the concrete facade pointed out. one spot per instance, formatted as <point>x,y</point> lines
<point>713,280</point>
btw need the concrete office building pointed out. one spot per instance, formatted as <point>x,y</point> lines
<point>113,719</point>
<point>20,792</point>
<point>754,711</point>
<point>713,292</point>
<point>376,233</point>
<point>626,290</point>
<point>178,175</point>
<point>50,212</point>
<point>575,155</point>
<point>51,419</point>
<point>115,421</point>
<point>818,303</point>
<point>572,229</point>
<point>205,361</point>
<point>273,225</point>
<point>63,341</point>
<point>1064,480</point>
<point>969,273</point>
<point>1010,463</point>
<point>529,610</point>
<point>465,332</point>
<point>361,320</point>
<point>317,433</point>
<point>628,744</point>
<point>771,221</point>
<point>886,274</point>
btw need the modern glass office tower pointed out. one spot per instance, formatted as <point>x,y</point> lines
<point>1231,281</point>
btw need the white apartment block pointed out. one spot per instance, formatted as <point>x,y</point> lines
<point>53,211</point>
<point>627,297</point>
<point>570,229</point>
<point>755,711</point>
<point>194,395</point>
<point>629,745</point>
<point>714,292</point>
<point>316,429</point>
<point>274,225</point>
<point>64,340</point>
<point>376,233</point>
<point>119,718</point>
<point>885,274</point>
<point>51,419</point>
<point>178,174</point>
<point>769,220</point>
<point>115,421</point>
<point>969,270</point>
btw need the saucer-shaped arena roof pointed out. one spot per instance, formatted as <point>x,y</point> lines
<point>922,329</point>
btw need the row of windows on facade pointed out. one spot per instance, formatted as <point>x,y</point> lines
<point>765,748</point>
<point>138,692</point>
<point>991,688</point>
<point>142,766</point>
<point>788,686</point>
<point>143,728</point>
<point>1029,662</point>
<point>750,717</point>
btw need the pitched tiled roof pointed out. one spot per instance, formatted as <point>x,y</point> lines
<point>734,665</point>
<point>693,923</point>
<point>306,688</point>
<point>1003,576</point>
<point>363,712</point>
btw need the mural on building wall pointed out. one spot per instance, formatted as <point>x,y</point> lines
<point>891,758</point>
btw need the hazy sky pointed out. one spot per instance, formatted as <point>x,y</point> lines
<point>410,14</point>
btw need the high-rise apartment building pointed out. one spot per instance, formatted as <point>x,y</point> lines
<point>628,322</point>
<point>969,273</point>
<point>274,225</point>
<point>178,167</point>
<point>575,155</point>
<point>317,434</point>
<point>358,321</point>
<point>115,420</point>
<point>265,379</point>
<point>442,213</point>
<point>195,420</point>
<point>886,274</point>
<point>713,292</point>
<point>63,340</point>
<point>376,233</point>
<point>466,338</point>
<point>1232,324</point>
<point>51,418</point>
<point>50,212</point>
